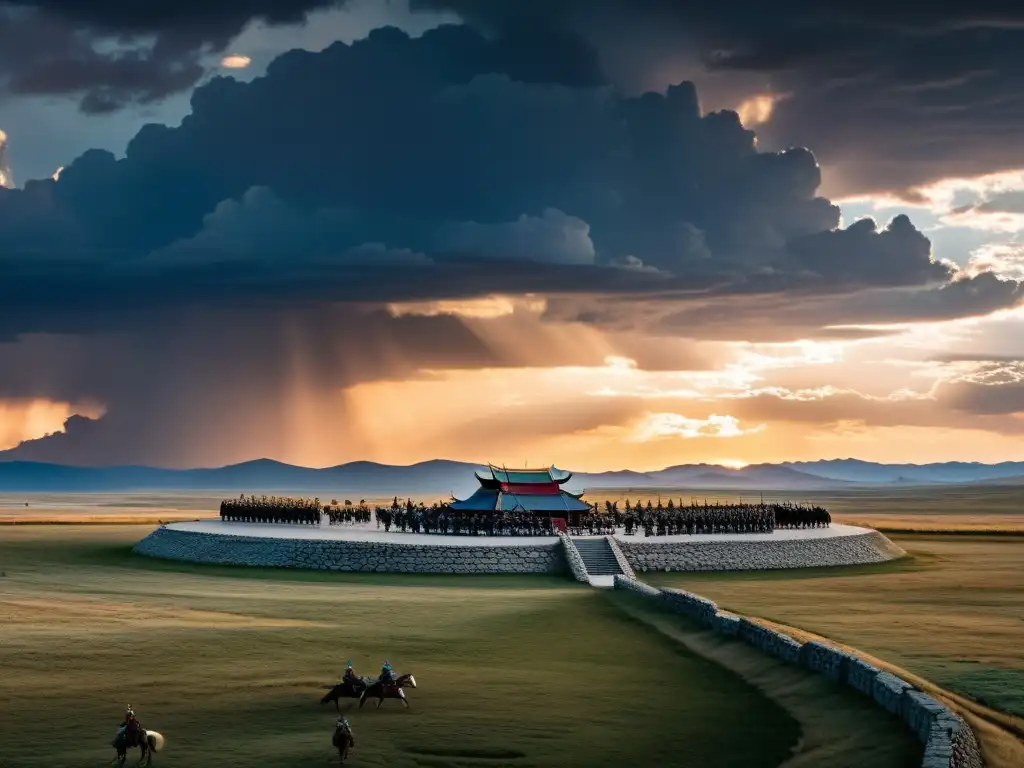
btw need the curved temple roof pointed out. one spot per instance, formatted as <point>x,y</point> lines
<point>533,490</point>
<point>495,476</point>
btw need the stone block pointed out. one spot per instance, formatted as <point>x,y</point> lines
<point>726,624</point>
<point>920,712</point>
<point>861,676</point>
<point>888,692</point>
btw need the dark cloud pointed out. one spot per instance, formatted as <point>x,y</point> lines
<point>888,96</point>
<point>113,53</point>
<point>432,150</point>
<point>236,264</point>
<point>783,316</point>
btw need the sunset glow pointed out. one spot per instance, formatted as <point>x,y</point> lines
<point>756,110</point>
<point>235,61</point>
<point>678,247</point>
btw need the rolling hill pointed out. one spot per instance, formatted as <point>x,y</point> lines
<point>441,477</point>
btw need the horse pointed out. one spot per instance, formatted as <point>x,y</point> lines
<point>343,740</point>
<point>148,742</point>
<point>344,690</point>
<point>393,691</point>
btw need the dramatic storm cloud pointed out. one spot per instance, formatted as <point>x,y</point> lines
<point>888,96</point>
<point>488,218</point>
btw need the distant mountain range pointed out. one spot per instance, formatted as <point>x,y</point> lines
<point>364,478</point>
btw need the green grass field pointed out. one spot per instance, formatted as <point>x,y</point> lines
<point>229,663</point>
<point>512,671</point>
<point>952,612</point>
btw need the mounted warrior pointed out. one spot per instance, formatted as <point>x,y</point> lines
<point>352,680</point>
<point>131,734</point>
<point>343,740</point>
<point>387,676</point>
<point>130,729</point>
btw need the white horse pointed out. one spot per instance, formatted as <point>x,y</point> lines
<point>152,741</point>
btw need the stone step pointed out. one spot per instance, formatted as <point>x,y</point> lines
<point>598,557</point>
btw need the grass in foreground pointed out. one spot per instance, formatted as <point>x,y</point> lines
<point>838,726</point>
<point>952,612</point>
<point>512,672</point>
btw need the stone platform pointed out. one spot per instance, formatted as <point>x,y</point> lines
<point>364,548</point>
<point>784,548</point>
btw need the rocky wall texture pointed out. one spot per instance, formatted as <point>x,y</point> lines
<point>620,557</point>
<point>349,556</point>
<point>948,740</point>
<point>573,558</point>
<point>738,555</point>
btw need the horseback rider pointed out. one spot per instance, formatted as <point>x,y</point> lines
<point>343,734</point>
<point>387,675</point>
<point>131,727</point>
<point>351,679</point>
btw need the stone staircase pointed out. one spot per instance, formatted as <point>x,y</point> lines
<point>599,559</point>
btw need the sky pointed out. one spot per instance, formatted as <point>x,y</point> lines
<point>592,233</point>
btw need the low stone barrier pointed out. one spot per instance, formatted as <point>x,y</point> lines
<point>771,642</point>
<point>888,692</point>
<point>350,556</point>
<point>949,741</point>
<point>573,557</point>
<point>861,676</point>
<point>726,624</point>
<point>920,712</point>
<point>639,587</point>
<point>620,557</point>
<point>696,607</point>
<point>743,555</point>
<point>825,660</point>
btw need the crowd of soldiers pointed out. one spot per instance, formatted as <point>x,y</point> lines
<point>661,519</point>
<point>271,509</point>
<point>438,518</point>
<point>347,513</point>
<point>673,519</point>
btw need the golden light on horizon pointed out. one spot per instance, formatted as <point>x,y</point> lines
<point>31,419</point>
<point>732,463</point>
<point>756,110</point>
<point>235,61</point>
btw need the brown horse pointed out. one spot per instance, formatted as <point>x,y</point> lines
<point>380,691</point>
<point>345,690</point>
<point>148,742</point>
<point>343,740</point>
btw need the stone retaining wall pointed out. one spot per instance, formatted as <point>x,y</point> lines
<point>352,556</point>
<point>572,556</point>
<point>739,555</point>
<point>949,741</point>
<point>620,557</point>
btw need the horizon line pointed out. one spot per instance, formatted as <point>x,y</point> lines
<point>485,465</point>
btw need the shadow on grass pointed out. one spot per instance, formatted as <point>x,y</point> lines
<point>477,754</point>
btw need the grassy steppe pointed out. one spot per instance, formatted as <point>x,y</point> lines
<point>959,508</point>
<point>229,664</point>
<point>953,611</point>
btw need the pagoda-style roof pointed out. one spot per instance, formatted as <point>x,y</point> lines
<point>528,490</point>
<point>495,476</point>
